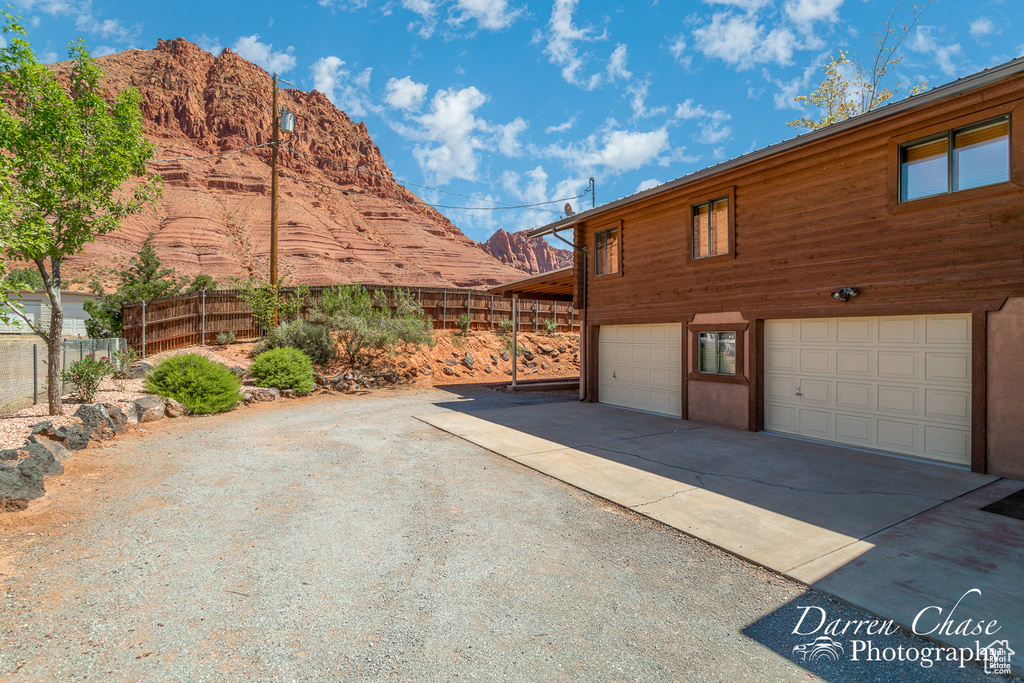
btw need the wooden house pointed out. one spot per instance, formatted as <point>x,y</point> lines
<point>862,284</point>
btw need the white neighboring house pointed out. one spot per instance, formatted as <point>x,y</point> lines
<point>37,306</point>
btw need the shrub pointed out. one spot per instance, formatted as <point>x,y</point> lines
<point>123,359</point>
<point>283,368</point>
<point>365,324</point>
<point>313,340</point>
<point>463,322</point>
<point>226,337</point>
<point>86,374</point>
<point>505,325</point>
<point>202,385</point>
<point>550,327</point>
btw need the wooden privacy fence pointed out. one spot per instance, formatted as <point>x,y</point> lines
<point>197,319</point>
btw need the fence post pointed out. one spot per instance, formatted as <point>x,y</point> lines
<point>469,301</point>
<point>143,329</point>
<point>572,318</point>
<point>536,312</point>
<point>492,312</point>
<point>35,374</point>
<point>203,342</point>
<point>444,310</point>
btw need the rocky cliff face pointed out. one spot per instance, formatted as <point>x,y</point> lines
<point>342,216</point>
<point>530,255</point>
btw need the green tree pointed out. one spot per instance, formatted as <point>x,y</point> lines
<point>68,153</point>
<point>144,279</point>
<point>25,279</point>
<point>850,87</point>
<point>201,282</point>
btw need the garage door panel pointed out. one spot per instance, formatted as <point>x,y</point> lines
<point>899,384</point>
<point>899,365</point>
<point>646,367</point>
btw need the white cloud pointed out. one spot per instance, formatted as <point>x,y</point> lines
<point>740,42</point>
<point>85,19</point>
<point>209,43</point>
<point>647,184</point>
<point>713,133</point>
<point>615,150</point>
<point>686,110</point>
<point>48,57</point>
<point>262,54</point>
<point>749,5</point>
<point>534,191</point>
<point>617,64</point>
<point>808,11</point>
<point>561,127</point>
<point>638,101</point>
<point>948,57</point>
<point>508,136</point>
<point>561,39</point>
<point>678,51</point>
<point>982,26</point>
<point>3,42</point>
<point>801,85</point>
<point>405,93</point>
<point>428,11</point>
<point>451,124</point>
<point>346,91</point>
<point>348,5</point>
<point>103,51</point>
<point>492,15</point>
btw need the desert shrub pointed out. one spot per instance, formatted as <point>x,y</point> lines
<point>367,327</point>
<point>123,359</point>
<point>283,368</point>
<point>550,327</point>
<point>313,340</point>
<point>267,301</point>
<point>505,325</point>
<point>86,374</point>
<point>202,385</point>
<point>226,337</point>
<point>463,322</point>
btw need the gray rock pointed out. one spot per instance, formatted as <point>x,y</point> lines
<point>504,355</point>
<point>287,393</point>
<point>320,380</point>
<point>546,350</point>
<point>426,369</point>
<point>149,408</point>
<point>392,377</point>
<point>488,369</point>
<point>468,361</point>
<point>174,408</point>
<point>450,362</point>
<point>19,485</point>
<point>348,376</point>
<point>138,370</point>
<point>117,416</point>
<point>72,436</point>
<point>237,371</point>
<point>10,454</point>
<point>43,458</point>
<point>263,394</point>
<point>449,371</point>
<point>132,416</point>
<point>494,357</point>
<point>403,364</point>
<point>96,420</point>
<point>37,444</point>
<point>45,428</point>
<point>528,355</point>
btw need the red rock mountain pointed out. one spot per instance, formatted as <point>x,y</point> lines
<point>531,255</point>
<point>342,216</point>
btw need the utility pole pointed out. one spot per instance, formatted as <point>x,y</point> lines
<point>593,196</point>
<point>275,136</point>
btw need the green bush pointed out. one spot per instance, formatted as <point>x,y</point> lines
<point>202,385</point>
<point>226,337</point>
<point>550,327</point>
<point>86,374</point>
<point>367,326</point>
<point>313,340</point>
<point>283,368</point>
<point>463,322</point>
<point>505,325</point>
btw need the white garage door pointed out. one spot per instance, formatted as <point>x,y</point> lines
<point>641,367</point>
<point>898,384</point>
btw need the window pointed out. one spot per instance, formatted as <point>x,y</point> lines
<point>711,228</point>
<point>606,252</point>
<point>717,353</point>
<point>957,160</point>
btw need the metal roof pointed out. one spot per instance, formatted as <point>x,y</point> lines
<point>554,285</point>
<point>942,92</point>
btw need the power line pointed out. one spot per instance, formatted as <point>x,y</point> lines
<point>210,156</point>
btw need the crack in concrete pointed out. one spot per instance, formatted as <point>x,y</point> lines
<point>672,495</point>
<point>701,483</point>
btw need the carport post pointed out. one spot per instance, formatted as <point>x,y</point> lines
<point>515,336</point>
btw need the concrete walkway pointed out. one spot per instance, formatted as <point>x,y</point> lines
<point>893,536</point>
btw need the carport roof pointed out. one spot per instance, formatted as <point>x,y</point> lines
<point>554,285</point>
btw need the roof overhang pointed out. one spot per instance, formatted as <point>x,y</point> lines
<point>944,92</point>
<point>554,285</point>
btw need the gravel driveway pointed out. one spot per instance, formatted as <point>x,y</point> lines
<point>338,538</point>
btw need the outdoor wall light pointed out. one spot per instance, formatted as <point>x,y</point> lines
<point>845,294</point>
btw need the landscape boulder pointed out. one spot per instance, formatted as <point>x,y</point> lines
<point>43,457</point>
<point>138,370</point>
<point>72,436</point>
<point>262,394</point>
<point>449,371</point>
<point>38,444</point>
<point>528,355</point>
<point>237,371</point>
<point>504,355</point>
<point>149,408</point>
<point>287,393</point>
<point>450,362</point>
<point>426,369</point>
<point>174,408</point>
<point>117,416</point>
<point>19,485</point>
<point>96,420</point>
<point>392,377</point>
<point>468,361</point>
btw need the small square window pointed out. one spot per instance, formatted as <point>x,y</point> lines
<point>717,353</point>
<point>606,252</point>
<point>711,228</point>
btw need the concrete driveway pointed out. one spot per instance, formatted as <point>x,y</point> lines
<point>891,535</point>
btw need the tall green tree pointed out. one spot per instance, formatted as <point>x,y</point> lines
<point>144,279</point>
<point>852,87</point>
<point>69,153</point>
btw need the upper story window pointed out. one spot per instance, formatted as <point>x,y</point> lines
<point>606,252</point>
<point>956,160</point>
<point>711,228</point>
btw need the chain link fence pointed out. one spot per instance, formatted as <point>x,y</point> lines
<point>23,367</point>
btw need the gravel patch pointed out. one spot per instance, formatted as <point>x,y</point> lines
<point>338,538</point>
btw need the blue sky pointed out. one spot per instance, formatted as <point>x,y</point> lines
<point>520,102</point>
